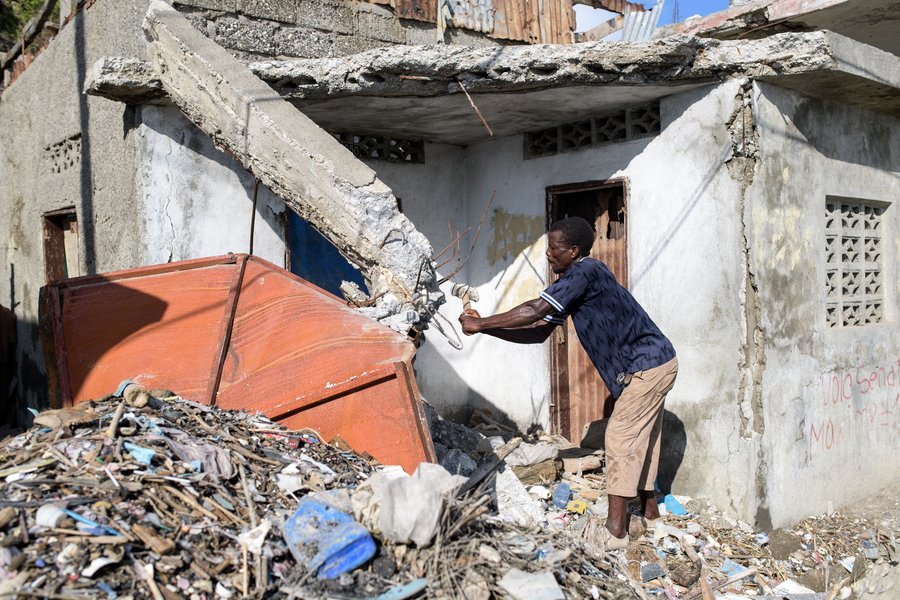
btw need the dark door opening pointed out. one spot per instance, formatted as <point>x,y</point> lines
<point>61,244</point>
<point>578,394</point>
<point>314,258</point>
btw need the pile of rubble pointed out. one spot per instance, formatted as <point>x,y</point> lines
<point>147,495</point>
<point>693,551</point>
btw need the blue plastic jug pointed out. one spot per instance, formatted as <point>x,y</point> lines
<point>326,539</point>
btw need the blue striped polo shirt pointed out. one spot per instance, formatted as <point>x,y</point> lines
<point>617,334</point>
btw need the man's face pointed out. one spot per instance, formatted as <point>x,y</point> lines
<point>560,255</point>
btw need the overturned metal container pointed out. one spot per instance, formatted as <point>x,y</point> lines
<point>238,332</point>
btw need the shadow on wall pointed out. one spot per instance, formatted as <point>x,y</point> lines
<point>106,323</point>
<point>451,396</point>
<point>674,444</point>
<point>86,215</point>
<point>868,144</point>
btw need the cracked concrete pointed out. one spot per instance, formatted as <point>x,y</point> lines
<point>742,165</point>
<point>524,88</point>
<point>316,176</point>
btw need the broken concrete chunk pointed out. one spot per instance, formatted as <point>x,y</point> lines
<point>542,472</point>
<point>123,79</point>
<point>521,585</point>
<point>458,463</point>
<point>514,503</point>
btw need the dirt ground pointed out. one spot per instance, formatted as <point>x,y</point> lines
<point>882,580</point>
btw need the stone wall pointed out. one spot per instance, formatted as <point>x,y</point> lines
<point>311,28</point>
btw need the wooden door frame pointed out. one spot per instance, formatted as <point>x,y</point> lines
<point>559,368</point>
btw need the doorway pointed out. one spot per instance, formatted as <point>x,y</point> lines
<point>578,394</point>
<point>61,253</point>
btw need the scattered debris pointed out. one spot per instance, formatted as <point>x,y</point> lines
<point>166,498</point>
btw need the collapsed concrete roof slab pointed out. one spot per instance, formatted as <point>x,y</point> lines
<point>521,88</point>
<point>526,88</point>
<point>315,175</point>
<point>873,22</point>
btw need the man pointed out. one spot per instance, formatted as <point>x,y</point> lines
<point>636,361</point>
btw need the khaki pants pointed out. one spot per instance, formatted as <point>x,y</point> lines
<point>634,431</point>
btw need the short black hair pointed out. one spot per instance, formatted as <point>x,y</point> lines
<point>576,232</point>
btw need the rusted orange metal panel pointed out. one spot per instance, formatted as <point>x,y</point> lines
<point>160,324</point>
<point>242,333</point>
<point>534,21</point>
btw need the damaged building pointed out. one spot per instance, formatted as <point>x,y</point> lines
<point>741,169</point>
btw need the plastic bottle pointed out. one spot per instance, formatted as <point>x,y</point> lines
<point>561,495</point>
<point>327,540</point>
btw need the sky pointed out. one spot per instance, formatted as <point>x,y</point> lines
<point>589,17</point>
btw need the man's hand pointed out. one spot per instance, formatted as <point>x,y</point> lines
<point>470,321</point>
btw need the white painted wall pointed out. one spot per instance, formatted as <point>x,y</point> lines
<point>685,267</point>
<point>196,201</point>
<point>433,195</point>
<point>832,395</point>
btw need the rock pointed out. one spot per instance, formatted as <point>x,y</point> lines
<point>454,435</point>
<point>652,571</point>
<point>783,543</point>
<point>458,463</point>
<point>541,473</point>
<point>683,572</point>
<point>384,567</point>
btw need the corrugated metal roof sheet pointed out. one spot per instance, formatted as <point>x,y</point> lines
<point>639,26</point>
<point>620,6</point>
<point>418,10</point>
<point>474,15</point>
<point>534,21</point>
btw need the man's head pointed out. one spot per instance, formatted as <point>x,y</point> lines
<point>567,241</point>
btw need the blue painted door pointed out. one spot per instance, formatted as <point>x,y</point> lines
<point>316,260</point>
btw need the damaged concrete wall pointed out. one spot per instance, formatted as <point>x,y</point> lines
<point>195,201</point>
<point>434,196</point>
<point>686,267</point>
<point>831,394</point>
<point>61,149</point>
<point>684,251</point>
<point>312,28</point>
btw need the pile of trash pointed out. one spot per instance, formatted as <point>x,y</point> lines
<point>692,551</point>
<point>147,495</point>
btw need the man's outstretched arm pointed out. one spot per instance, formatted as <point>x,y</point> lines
<point>523,324</point>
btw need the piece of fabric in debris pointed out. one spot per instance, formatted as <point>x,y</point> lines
<point>407,508</point>
<point>213,459</point>
<point>531,454</point>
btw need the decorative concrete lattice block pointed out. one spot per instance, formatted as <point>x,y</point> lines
<point>643,121</point>
<point>63,155</point>
<point>620,126</point>
<point>611,128</point>
<point>542,143</point>
<point>854,292</point>
<point>576,135</point>
<point>382,147</point>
